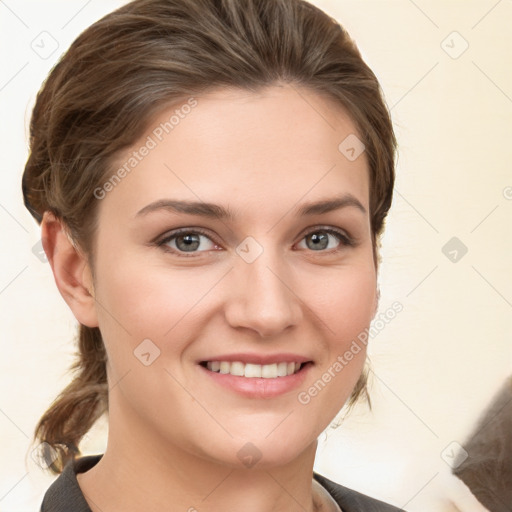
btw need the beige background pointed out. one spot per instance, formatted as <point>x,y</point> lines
<point>438,363</point>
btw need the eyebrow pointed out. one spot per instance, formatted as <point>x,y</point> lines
<point>215,211</point>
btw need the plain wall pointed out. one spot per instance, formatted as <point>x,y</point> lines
<point>437,364</point>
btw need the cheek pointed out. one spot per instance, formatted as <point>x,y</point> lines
<point>130,306</point>
<point>139,301</point>
<point>145,319</point>
<point>142,299</point>
<point>346,307</point>
<point>346,303</point>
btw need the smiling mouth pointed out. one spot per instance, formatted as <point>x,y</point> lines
<point>265,371</point>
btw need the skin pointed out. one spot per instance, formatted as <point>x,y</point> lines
<point>262,155</point>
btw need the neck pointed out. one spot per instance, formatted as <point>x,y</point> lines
<point>155,475</point>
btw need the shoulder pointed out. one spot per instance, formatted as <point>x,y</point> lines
<point>64,494</point>
<point>353,501</point>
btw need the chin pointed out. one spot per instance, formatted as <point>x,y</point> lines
<point>267,451</point>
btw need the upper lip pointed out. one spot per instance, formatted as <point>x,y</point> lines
<point>259,358</point>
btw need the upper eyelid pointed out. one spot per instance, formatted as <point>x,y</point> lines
<point>170,235</point>
<point>174,233</point>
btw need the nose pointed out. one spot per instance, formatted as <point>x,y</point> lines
<point>262,296</point>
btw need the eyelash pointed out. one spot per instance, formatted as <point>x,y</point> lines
<point>345,240</point>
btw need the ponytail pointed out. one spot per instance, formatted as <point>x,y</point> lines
<point>78,406</point>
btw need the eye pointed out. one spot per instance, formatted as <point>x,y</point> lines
<point>321,238</point>
<point>187,241</point>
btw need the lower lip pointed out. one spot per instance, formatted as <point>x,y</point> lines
<point>257,387</point>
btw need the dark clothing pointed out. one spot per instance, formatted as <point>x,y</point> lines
<point>65,495</point>
<point>353,501</point>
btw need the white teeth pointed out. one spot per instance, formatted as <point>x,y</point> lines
<point>237,368</point>
<point>282,369</point>
<point>266,371</point>
<point>251,370</point>
<point>269,371</point>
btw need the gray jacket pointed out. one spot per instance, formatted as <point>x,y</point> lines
<point>65,495</point>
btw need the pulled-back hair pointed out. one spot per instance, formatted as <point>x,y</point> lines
<point>149,54</point>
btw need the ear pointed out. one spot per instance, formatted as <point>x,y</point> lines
<point>70,269</point>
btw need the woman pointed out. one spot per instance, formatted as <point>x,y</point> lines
<point>212,179</point>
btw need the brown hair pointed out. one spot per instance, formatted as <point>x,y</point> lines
<point>148,54</point>
<point>487,468</point>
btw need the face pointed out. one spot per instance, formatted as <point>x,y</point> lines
<point>233,267</point>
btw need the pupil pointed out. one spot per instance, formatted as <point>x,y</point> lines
<point>190,243</point>
<point>319,240</point>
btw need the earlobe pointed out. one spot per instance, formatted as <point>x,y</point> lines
<point>70,269</point>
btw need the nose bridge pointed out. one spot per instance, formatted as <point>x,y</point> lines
<point>264,300</point>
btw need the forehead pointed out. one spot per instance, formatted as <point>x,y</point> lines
<point>247,148</point>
